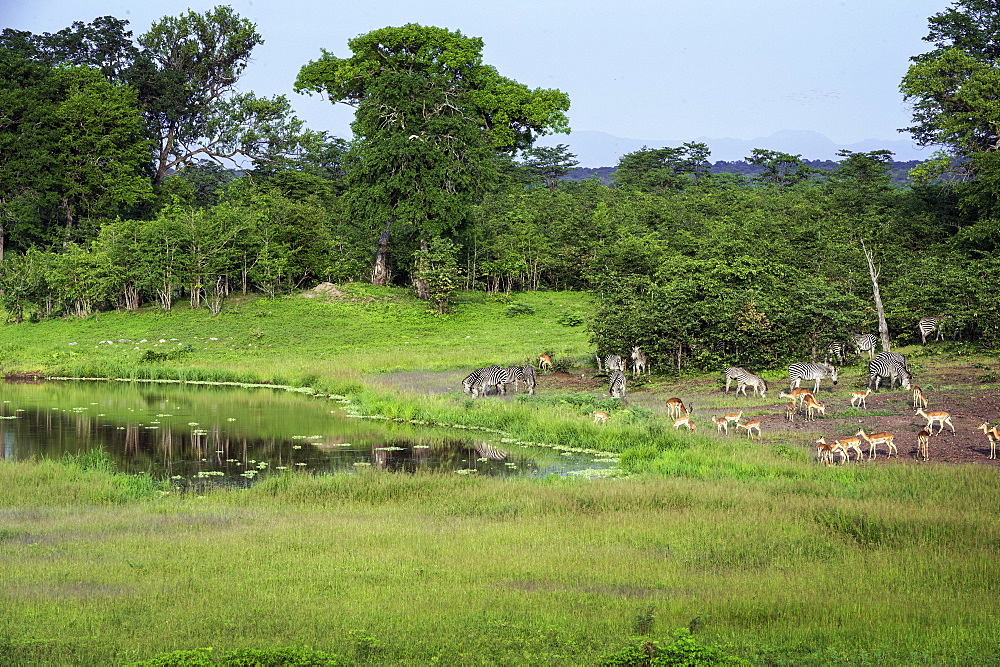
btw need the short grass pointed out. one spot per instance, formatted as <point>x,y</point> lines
<point>298,340</point>
<point>750,544</point>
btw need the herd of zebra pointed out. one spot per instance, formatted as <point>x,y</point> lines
<point>494,380</point>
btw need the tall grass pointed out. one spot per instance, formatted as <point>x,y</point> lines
<point>421,568</point>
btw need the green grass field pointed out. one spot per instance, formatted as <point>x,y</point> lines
<point>763,554</point>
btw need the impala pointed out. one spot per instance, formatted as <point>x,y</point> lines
<point>813,406</point>
<point>750,426</point>
<point>919,400</point>
<point>876,439</point>
<point>600,416</point>
<point>734,417</point>
<point>544,361</point>
<point>722,424</point>
<point>858,398</point>
<point>675,407</point>
<point>923,439</point>
<point>938,417</point>
<point>852,443</point>
<point>798,394</point>
<point>790,408</point>
<point>685,420</point>
<point>993,433</point>
<point>825,451</point>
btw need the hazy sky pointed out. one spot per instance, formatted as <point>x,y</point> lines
<point>634,69</point>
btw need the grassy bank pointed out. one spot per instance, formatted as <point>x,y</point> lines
<point>754,547</point>
<point>301,341</point>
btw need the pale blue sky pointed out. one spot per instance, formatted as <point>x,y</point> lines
<point>634,69</point>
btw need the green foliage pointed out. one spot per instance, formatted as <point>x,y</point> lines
<point>430,119</point>
<point>663,169</point>
<point>437,268</point>
<point>571,319</point>
<point>683,650</point>
<point>516,309</point>
<point>196,59</point>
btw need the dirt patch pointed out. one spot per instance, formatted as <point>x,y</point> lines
<point>325,290</point>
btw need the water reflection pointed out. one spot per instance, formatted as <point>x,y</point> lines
<point>201,435</point>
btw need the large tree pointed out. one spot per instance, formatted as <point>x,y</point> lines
<point>954,88</point>
<point>431,118</point>
<point>71,148</point>
<point>188,76</point>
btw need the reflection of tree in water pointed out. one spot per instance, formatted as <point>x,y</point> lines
<point>448,455</point>
<point>169,446</point>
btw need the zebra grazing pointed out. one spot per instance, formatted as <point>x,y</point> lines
<point>928,325</point>
<point>617,384</point>
<point>888,365</point>
<point>640,364</point>
<point>805,371</point>
<point>865,344</point>
<point>744,379</point>
<point>515,374</point>
<point>530,377</point>
<point>479,381</point>
<point>612,362</point>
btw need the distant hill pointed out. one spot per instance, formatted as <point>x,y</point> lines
<point>900,170</point>
<point>597,149</point>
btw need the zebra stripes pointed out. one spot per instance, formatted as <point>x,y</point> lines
<point>865,344</point>
<point>744,379</point>
<point>530,377</point>
<point>494,379</point>
<point>478,381</point>
<point>515,374</point>
<point>640,364</point>
<point>616,385</point>
<point>928,325</point>
<point>798,372</point>
<point>612,362</point>
<point>836,350</point>
<point>888,365</point>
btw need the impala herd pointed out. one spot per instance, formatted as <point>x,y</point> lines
<point>803,401</point>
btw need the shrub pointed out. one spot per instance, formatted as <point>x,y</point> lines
<point>684,650</point>
<point>516,309</point>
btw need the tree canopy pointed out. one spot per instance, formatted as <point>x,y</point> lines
<point>431,118</point>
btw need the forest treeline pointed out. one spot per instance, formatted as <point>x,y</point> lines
<point>116,195</point>
<point>899,171</point>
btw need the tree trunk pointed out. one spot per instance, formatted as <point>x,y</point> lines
<point>883,328</point>
<point>380,270</point>
<point>423,291</point>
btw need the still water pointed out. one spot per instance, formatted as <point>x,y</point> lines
<point>198,435</point>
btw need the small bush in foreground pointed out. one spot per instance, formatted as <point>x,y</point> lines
<point>246,657</point>
<point>683,650</point>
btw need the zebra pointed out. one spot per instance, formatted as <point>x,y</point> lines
<point>798,372</point>
<point>616,385</point>
<point>836,350</point>
<point>515,374</point>
<point>639,362</point>
<point>865,343</point>
<point>478,381</point>
<point>890,365</point>
<point>928,325</point>
<point>744,379</point>
<point>530,377</point>
<point>612,362</point>
<point>894,356</point>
